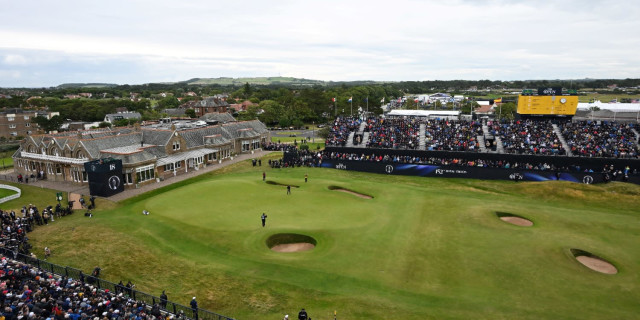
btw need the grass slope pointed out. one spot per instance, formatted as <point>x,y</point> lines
<point>421,248</point>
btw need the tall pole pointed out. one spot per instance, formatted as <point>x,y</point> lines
<point>335,108</point>
<point>351,107</point>
<point>367,106</point>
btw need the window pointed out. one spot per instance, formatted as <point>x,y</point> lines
<point>28,124</point>
<point>26,117</point>
<point>245,146</point>
<point>144,173</point>
<point>198,160</point>
<point>14,134</point>
<point>178,164</point>
<point>128,178</point>
<point>168,167</point>
<point>58,169</point>
<point>12,126</point>
<point>212,156</point>
<point>176,145</point>
<point>255,144</point>
<point>11,118</point>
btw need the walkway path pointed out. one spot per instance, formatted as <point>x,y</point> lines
<point>128,193</point>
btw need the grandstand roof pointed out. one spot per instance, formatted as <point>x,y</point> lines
<point>422,113</point>
<point>616,107</point>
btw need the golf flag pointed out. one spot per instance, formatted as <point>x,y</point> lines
<point>350,99</point>
<point>382,101</point>
<point>333,99</point>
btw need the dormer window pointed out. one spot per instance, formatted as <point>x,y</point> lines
<point>176,145</point>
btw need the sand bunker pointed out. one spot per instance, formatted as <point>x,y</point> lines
<point>594,262</point>
<point>293,247</point>
<point>290,242</point>
<point>514,219</point>
<point>357,194</point>
<point>517,221</point>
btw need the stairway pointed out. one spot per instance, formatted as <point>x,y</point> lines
<point>350,140</point>
<point>362,125</point>
<point>637,136</point>
<point>500,146</point>
<point>481,143</point>
<point>365,139</point>
<point>422,143</point>
<point>565,145</point>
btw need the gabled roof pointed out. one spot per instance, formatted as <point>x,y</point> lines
<point>156,137</point>
<point>93,146</point>
<point>223,117</point>
<point>211,102</point>
<point>196,137</point>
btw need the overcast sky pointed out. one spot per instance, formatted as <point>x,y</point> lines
<point>46,43</point>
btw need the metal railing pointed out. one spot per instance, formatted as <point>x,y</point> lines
<point>13,196</point>
<point>172,307</point>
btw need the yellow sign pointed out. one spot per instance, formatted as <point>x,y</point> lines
<point>560,105</point>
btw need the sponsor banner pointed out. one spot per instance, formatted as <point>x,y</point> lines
<point>105,177</point>
<point>550,91</point>
<point>467,172</point>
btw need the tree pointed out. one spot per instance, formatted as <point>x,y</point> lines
<point>48,125</point>
<point>191,113</point>
<point>272,112</point>
<point>507,110</point>
<point>104,124</point>
<point>248,91</point>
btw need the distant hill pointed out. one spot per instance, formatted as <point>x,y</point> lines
<point>86,85</point>
<point>266,81</point>
<point>224,81</point>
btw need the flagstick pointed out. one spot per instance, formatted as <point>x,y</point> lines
<point>351,107</point>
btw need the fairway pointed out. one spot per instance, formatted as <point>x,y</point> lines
<point>420,248</point>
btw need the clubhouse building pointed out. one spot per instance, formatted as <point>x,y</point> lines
<point>148,154</point>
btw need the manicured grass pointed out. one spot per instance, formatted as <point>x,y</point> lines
<point>606,97</point>
<point>422,248</point>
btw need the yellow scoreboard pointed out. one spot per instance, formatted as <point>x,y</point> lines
<point>547,105</point>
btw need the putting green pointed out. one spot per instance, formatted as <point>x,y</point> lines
<point>420,248</point>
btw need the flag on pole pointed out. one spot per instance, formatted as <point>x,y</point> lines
<point>333,99</point>
<point>366,99</point>
<point>350,99</point>
<point>382,101</point>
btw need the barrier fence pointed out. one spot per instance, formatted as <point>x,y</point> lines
<point>102,284</point>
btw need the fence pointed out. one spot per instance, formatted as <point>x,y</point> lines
<point>13,196</point>
<point>102,284</point>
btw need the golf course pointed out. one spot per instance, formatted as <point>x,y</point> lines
<point>378,246</point>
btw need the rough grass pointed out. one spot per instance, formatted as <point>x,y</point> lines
<point>422,248</point>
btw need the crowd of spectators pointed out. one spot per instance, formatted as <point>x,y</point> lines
<point>340,130</point>
<point>601,139</point>
<point>448,135</point>
<point>393,133</point>
<point>27,292</point>
<point>527,137</point>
